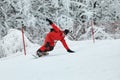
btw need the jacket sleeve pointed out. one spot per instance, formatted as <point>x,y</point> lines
<point>64,44</point>
<point>55,27</point>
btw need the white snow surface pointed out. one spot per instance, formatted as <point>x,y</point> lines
<point>91,61</point>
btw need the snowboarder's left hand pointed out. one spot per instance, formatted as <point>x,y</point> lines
<point>70,51</point>
<point>50,22</point>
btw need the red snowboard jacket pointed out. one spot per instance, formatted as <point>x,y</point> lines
<point>54,36</point>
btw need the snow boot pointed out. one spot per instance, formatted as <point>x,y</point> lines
<point>39,53</point>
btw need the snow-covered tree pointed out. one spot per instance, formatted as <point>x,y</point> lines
<point>75,15</point>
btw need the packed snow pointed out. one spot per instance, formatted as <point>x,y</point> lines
<point>91,61</point>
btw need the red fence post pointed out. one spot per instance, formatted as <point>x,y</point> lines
<point>23,39</point>
<point>92,29</point>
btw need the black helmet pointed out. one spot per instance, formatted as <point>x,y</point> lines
<point>66,31</point>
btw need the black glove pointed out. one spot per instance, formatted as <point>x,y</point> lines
<point>70,51</point>
<point>50,22</point>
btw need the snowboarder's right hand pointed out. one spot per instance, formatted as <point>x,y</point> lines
<point>70,51</point>
<point>50,22</point>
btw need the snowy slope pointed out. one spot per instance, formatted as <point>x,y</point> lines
<point>98,61</point>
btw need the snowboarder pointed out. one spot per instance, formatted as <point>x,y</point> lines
<point>51,38</point>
